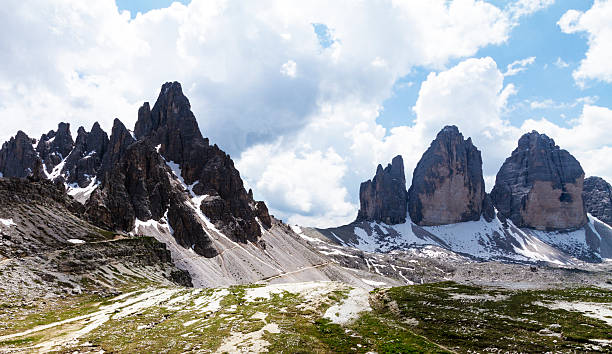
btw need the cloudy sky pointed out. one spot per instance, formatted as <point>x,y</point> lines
<point>309,96</point>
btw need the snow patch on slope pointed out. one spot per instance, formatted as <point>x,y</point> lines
<point>7,222</point>
<point>81,194</point>
<point>480,239</point>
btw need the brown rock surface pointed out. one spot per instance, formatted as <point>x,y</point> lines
<point>540,186</point>
<point>447,185</point>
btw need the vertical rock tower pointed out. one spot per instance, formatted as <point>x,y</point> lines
<point>540,186</point>
<point>384,198</point>
<point>597,195</point>
<point>447,185</point>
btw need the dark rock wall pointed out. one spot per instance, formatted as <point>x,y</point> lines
<point>597,195</point>
<point>384,198</point>
<point>540,186</point>
<point>447,184</point>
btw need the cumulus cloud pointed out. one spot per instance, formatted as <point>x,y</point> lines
<point>520,8</point>
<point>596,23</point>
<point>518,65</point>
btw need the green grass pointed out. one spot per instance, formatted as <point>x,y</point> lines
<point>430,318</point>
<point>513,321</point>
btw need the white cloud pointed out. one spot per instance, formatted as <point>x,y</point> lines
<point>289,68</point>
<point>596,22</point>
<point>549,103</point>
<point>560,63</point>
<point>76,61</point>
<point>520,8</point>
<point>518,65</point>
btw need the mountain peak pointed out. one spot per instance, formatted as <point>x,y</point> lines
<point>384,198</point>
<point>447,184</point>
<point>540,186</point>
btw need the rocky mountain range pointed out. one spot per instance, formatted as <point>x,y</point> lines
<point>538,210</point>
<point>166,180</point>
<point>102,236</point>
<point>163,180</point>
<point>137,173</point>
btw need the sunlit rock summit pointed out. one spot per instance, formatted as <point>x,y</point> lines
<point>447,185</point>
<point>540,186</point>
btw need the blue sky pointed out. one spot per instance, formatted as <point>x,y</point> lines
<point>547,78</point>
<point>142,6</point>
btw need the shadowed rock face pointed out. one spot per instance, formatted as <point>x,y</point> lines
<point>85,161</point>
<point>55,146</point>
<point>447,185</point>
<point>18,157</point>
<point>597,195</point>
<point>139,186</point>
<point>540,186</point>
<point>135,179</point>
<point>172,128</point>
<point>384,198</point>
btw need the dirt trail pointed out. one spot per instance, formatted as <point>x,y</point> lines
<point>283,274</point>
<point>86,323</point>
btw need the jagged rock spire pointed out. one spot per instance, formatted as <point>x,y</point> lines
<point>18,157</point>
<point>447,184</point>
<point>172,128</point>
<point>597,195</point>
<point>384,198</point>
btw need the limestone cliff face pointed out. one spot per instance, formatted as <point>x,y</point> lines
<point>85,160</point>
<point>540,186</point>
<point>18,157</point>
<point>140,186</point>
<point>55,146</point>
<point>384,198</point>
<point>447,184</point>
<point>172,128</point>
<point>135,178</point>
<point>597,195</point>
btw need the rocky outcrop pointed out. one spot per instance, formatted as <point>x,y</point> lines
<point>384,198</point>
<point>172,128</point>
<point>85,160</point>
<point>447,184</point>
<point>120,140</point>
<point>18,157</point>
<point>170,174</point>
<point>540,186</point>
<point>139,186</point>
<point>55,146</point>
<point>597,195</point>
